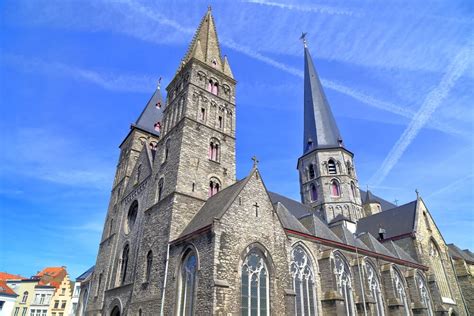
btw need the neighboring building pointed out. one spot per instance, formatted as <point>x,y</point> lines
<point>463,261</point>
<point>183,237</point>
<point>7,299</point>
<point>61,302</point>
<point>4,276</point>
<point>25,289</point>
<point>42,298</point>
<point>81,293</point>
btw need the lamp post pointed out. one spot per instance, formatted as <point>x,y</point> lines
<point>357,236</point>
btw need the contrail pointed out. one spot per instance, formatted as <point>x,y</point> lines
<point>451,185</point>
<point>432,102</point>
<point>297,7</point>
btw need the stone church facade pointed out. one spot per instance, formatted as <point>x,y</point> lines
<point>183,236</point>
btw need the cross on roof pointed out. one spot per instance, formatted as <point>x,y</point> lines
<point>256,208</point>
<point>255,161</point>
<point>303,38</point>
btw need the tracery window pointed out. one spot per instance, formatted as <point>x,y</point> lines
<point>335,189</point>
<point>254,286</point>
<point>374,287</point>
<point>343,281</point>
<point>438,270</point>
<point>400,290</point>
<point>311,171</point>
<point>332,167</point>
<point>314,192</point>
<point>301,270</point>
<point>424,294</point>
<point>214,187</point>
<point>187,286</point>
<point>124,265</point>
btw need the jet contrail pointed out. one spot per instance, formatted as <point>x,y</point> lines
<point>432,101</point>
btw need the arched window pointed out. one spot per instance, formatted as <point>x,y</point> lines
<point>159,190</point>
<point>374,287</point>
<point>400,290</point>
<point>210,84</point>
<point>311,171</point>
<point>187,286</point>
<point>203,114</point>
<point>332,167</point>
<point>214,187</point>
<point>140,312</point>
<point>214,154</point>
<point>215,88</point>
<point>424,294</point>
<point>335,189</point>
<point>131,216</point>
<point>167,150</point>
<point>353,189</point>
<point>25,297</point>
<point>438,269</point>
<point>124,266</point>
<point>149,264</point>
<point>255,285</point>
<point>314,192</point>
<point>343,281</point>
<point>115,311</point>
<point>301,270</point>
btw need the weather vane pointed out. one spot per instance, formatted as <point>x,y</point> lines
<point>303,38</point>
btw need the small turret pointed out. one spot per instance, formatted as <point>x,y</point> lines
<point>370,204</point>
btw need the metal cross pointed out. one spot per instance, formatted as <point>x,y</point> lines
<point>303,38</point>
<point>417,193</point>
<point>256,209</point>
<point>396,202</point>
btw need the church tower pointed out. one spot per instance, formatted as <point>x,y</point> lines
<point>328,181</point>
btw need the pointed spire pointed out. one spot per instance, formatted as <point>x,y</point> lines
<point>227,69</point>
<point>320,128</point>
<point>205,45</point>
<point>151,116</point>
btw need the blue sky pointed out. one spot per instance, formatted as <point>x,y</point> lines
<point>74,74</point>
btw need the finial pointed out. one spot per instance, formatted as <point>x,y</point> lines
<point>396,202</point>
<point>255,161</point>
<point>209,8</point>
<point>303,38</point>
<point>417,194</point>
<point>159,84</point>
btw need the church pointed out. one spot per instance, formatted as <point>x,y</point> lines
<point>183,236</point>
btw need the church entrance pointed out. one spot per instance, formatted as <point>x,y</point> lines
<point>115,311</point>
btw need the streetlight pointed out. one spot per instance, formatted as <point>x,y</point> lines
<point>357,236</point>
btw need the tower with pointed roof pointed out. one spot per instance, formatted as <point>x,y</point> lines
<point>328,180</point>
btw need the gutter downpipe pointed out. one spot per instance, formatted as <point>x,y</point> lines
<point>163,292</point>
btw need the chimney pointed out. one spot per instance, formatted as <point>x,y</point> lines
<point>381,232</point>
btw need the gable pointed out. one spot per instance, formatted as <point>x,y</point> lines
<point>143,160</point>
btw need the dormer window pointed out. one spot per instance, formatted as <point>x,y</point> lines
<point>157,126</point>
<point>214,62</point>
<point>158,105</point>
<point>332,167</point>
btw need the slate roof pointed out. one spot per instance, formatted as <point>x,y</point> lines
<point>457,253</point>
<point>319,228</point>
<point>319,124</point>
<point>151,114</point>
<point>86,274</point>
<point>370,241</point>
<point>396,221</point>
<point>347,237</point>
<point>288,220</point>
<point>296,208</point>
<point>384,204</point>
<point>215,207</point>
<point>398,251</point>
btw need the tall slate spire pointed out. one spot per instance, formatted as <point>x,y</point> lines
<point>205,46</point>
<point>320,128</point>
<point>150,119</point>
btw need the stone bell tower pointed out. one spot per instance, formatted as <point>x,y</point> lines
<point>328,180</point>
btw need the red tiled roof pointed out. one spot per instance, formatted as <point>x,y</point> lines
<point>5,289</point>
<point>4,276</point>
<point>51,271</point>
<point>51,276</point>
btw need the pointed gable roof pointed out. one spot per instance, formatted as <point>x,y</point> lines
<point>152,113</point>
<point>320,127</point>
<point>372,242</point>
<point>456,253</point>
<point>384,204</point>
<point>288,220</point>
<point>5,290</point>
<point>398,252</point>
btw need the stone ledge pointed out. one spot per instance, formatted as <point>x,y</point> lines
<point>221,283</point>
<point>332,296</point>
<point>290,292</point>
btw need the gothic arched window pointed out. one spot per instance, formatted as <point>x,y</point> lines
<point>311,171</point>
<point>25,297</point>
<point>400,290</point>
<point>314,192</point>
<point>214,154</point>
<point>344,283</point>
<point>167,150</point>
<point>215,88</point>
<point>255,285</point>
<point>353,189</point>
<point>149,264</point>
<point>438,269</point>
<point>214,187</point>
<point>375,289</point>
<point>332,167</point>
<point>187,284</point>
<point>210,84</point>
<point>124,266</point>
<point>131,216</point>
<point>424,293</point>
<point>302,272</point>
<point>335,189</point>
